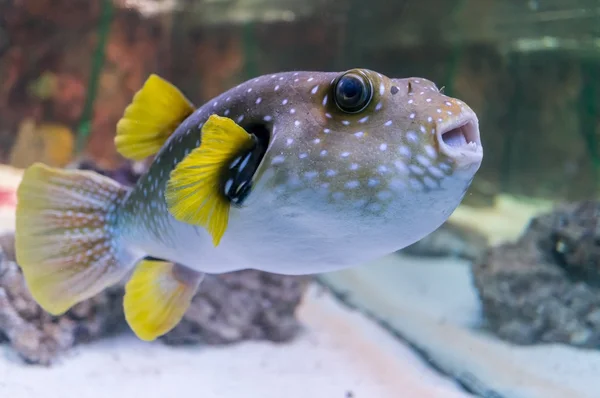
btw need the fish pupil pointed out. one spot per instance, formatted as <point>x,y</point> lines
<point>353,92</point>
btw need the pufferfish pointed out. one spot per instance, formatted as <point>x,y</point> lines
<point>292,173</point>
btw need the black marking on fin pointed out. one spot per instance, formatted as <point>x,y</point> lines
<point>394,90</point>
<point>237,181</point>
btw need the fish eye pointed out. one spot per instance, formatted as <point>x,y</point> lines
<point>352,92</point>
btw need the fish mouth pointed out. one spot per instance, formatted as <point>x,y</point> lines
<point>460,140</point>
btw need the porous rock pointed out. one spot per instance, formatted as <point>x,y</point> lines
<point>544,288</point>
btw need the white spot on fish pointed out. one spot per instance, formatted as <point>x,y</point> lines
<point>295,74</point>
<point>423,129</point>
<point>381,89</point>
<point>278,159</point>
<point>383,147</point>
<point>267,118</point>
<point>296,80</point>
<point>430,151</point>
<point>359,134</point>
<point>323,152</point>
<point>352,184</point>
<point>292,111</point>
<point>328,115</point>
<point>448,103</point>
<point>326,131</point>
<point>401,167</point>
<point>388,123</point>
<point>434,171</point>
<point>404,151</point>
<point>249,90</point>
<point>345,122</point>
<point>423,160</point>
<point>285,101</point>
<point>364,119</point>
<point>314,90</point>
<point>296,123</point>
<point>428,100</point>
<point>430,119</point>
<point>289,141</point>
<point>240,118</point>
<point>416,169</point>
<point>330,173</point>
<point>438,110</point>
<point>345,154</point>
<point>382,169</point>
<point>310,174</point>
<point>227,99</point>
<point>277,87</point>
<point>316,140</point>
<point>378,106</point>
<point>353,166</point>
<point>325,100</point>
<point>226,112</point>
<point>258,100</point>
<point>372,182</point>
<point>412,116</point>
<point>449,113</point>
<point>444,166</point>
<point>215,103</point>
<point>310,79</point>
<point>411,136</point>
<point>410,101</point>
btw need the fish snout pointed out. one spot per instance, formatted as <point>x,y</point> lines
<point>459,139</point>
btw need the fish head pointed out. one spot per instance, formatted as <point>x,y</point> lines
<point>358,157</point>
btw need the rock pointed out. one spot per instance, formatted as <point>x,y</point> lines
<point>544,287</point>
<point>450,240</point>
<point>228,308</point>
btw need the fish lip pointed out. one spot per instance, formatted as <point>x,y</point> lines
<point>469,153</point>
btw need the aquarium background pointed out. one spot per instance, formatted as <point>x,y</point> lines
<point>528,68</point>
<point>518,262</point>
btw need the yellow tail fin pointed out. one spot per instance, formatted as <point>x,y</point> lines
<point>153,115</point>
<point>65,236</point>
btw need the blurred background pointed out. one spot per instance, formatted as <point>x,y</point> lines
<point>509,285</point>
<point>528,67</point>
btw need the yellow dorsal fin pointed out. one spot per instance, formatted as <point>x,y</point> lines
<point>157,296</point>
<point>194,192</point>
<point>155,112</point>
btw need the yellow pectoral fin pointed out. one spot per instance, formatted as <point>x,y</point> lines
<point>153,115</point>
<point>194,193</point>
<point>157,296</point>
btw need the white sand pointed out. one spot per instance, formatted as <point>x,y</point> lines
<point>339,352</point>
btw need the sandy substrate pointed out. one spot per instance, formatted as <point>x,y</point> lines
<point>341,354</point>
<point>433,304</point>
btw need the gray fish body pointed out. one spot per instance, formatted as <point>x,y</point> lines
<point>333,190</point>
